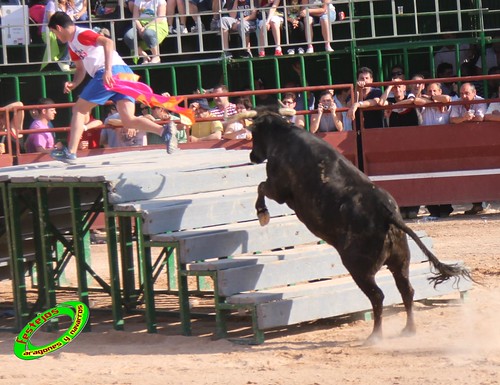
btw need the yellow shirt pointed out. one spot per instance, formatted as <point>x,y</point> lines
<point>202,129</point>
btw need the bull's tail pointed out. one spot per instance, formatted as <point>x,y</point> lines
<point>443,271</point>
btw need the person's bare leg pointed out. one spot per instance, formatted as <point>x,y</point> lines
<point>126,110</point>
<point>81,109</point>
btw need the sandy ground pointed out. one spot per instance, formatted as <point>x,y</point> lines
<point>455,344</point>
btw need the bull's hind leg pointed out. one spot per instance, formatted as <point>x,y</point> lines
<point>368,286</point>
<point>399,265</point>
<point>260,205</point>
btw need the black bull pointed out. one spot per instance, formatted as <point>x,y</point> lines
<point>340,205</point>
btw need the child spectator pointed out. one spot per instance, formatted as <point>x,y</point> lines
<point>296,27</point>
<point>201,131</point>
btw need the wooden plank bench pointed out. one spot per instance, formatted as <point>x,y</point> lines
<point>311,286</point>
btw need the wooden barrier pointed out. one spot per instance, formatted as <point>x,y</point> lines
<point>455,163</point>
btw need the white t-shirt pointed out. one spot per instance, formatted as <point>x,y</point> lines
<point>84,47</point>
<point>148,8</point>
<point>460,110</point>
<point>433,115</point>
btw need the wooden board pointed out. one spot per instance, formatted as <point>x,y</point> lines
<point>221,241</point>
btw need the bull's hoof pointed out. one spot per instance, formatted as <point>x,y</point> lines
<point>408,331</point>
<point>264,218</point>
<point>373,339</point>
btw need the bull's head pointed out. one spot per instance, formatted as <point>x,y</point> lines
<point>265,123</point>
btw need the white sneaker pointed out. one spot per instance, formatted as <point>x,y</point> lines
<point>310,50</point>
<point>194,28</point>
<point>291,51</point>
<point>181,29</point>
<point>64,66</point>
<point>300,51</point>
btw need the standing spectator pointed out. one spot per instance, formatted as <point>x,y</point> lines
<point>296,27</point>
<point>366,96</point>
<point>469,113</point>
<point>42,141</point>
<point>327,119</point>
<point>431,116</point>
<point>223,107</point>
<point>151,27</point>
<point>208,130</point>
<point>238,129</point>
<point>290,101</point>
<point>94,54</point>
<point>445,70</point>
<point>270,19</point>
<point>447,53</point>
<point>16,124</point>
<point>322,12</point>
<point>241,12</point>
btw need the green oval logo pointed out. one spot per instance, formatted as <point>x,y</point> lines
<point>77,311</point>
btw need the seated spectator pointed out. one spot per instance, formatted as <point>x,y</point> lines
<point>270,19</point>
<point>151,28</point>
<point>296,27</point>
<point>469,113</point>
<point>416,89</point>
<point>223,107</point>
<point>117,135</point>
<point>81,12</point>
<point>341,99</point>
<point>198,6</point>
<point>241,12</point>
<point>42,141</point>
<point>366,96</point>
<point>90,138</point>
<point>290,101</point>
<point>16,122</point>
<point>327,119</point>
<point>435,115</point>
<point>322,13</point>
<point>180,27</point>
<point>209,130</point>
<point>238,129</point>
<point>164,115</point>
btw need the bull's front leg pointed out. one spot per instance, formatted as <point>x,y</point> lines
<point>260,205</point>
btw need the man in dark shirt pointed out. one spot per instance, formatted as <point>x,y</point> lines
<point>366,96</point>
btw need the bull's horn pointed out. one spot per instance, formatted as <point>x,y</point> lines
<point>242,115</point>
<point>287,111</point>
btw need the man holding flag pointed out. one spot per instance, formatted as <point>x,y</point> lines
<point>95,54</point>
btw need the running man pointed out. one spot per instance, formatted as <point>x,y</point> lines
<point>95,54</point>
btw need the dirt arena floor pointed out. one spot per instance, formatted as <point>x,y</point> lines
<point>456,343</point>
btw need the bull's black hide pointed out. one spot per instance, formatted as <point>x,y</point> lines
<point>339,204</point>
